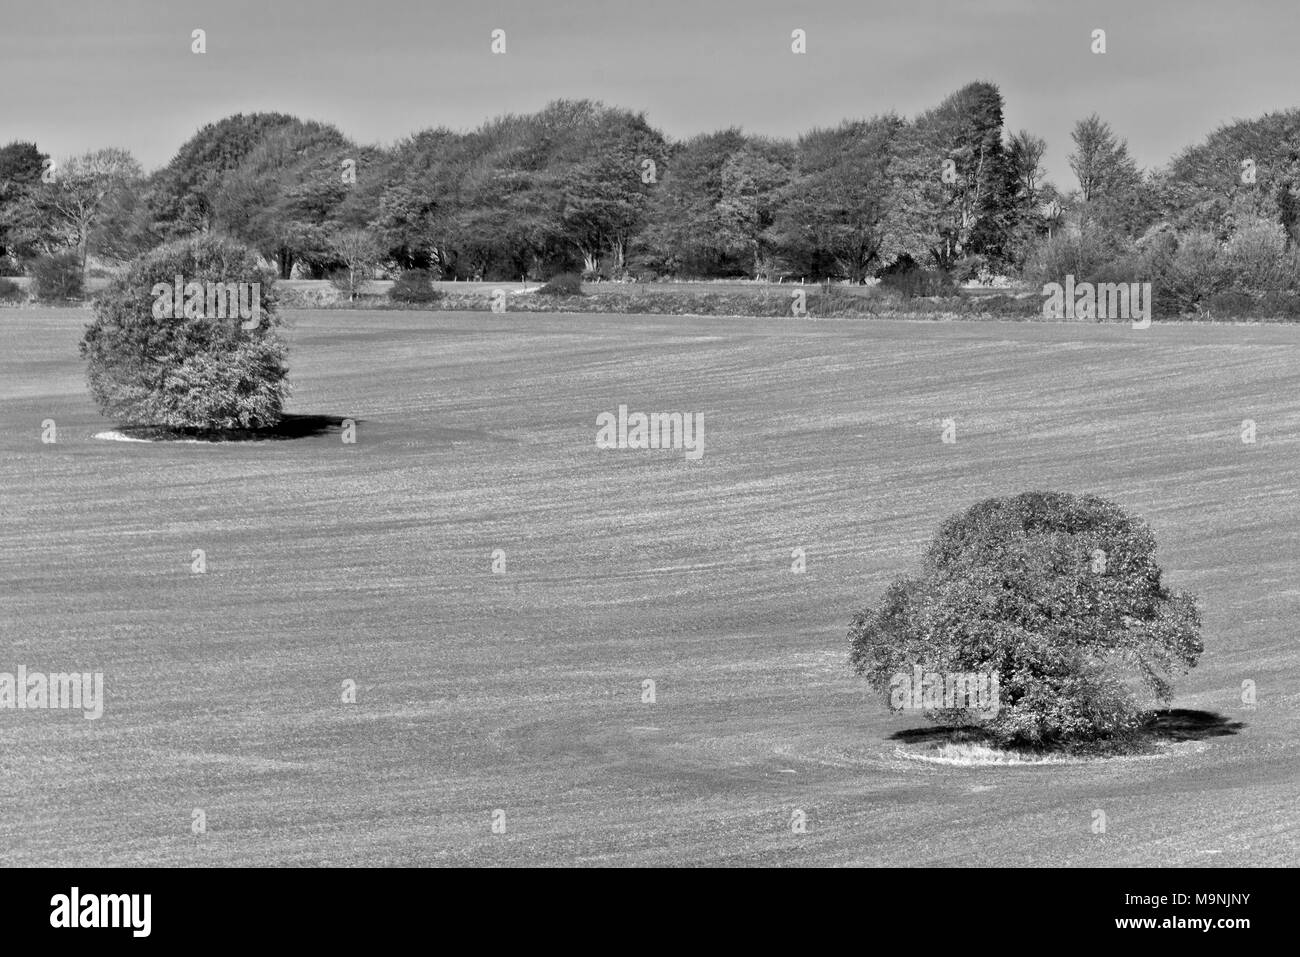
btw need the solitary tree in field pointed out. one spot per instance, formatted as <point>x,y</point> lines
<point>1057,595</point>
<point>196,368</point>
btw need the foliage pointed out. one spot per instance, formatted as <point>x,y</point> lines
<point>1100,161</point>
<point>952,184</point>
<point>714,210</point>
<point>188,372</point>
<point>21,166</point>
<point>413,286</point>
<point>832,213</point>
<point>1059,595</point>
<point>57,278</point>
<point>1082,254</point>
<point>70,210</point>
<point>564,284</point>
<point>358,254</point>
<point>1210,180</point>
<point>911,281</point>
<point>583,187</point>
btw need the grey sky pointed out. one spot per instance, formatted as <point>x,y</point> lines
<point>81,74</point>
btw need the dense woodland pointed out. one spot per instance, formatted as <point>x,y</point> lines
<point>580,186</point>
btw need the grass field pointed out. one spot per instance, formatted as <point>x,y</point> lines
<point>522,691</point>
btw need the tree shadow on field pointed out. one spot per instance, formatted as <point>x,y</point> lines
<point>1182,724</point>
<point>1170,726</point>
<point>934,733</point>
<point>290,426</point>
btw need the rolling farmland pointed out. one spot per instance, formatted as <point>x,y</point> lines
<point>522,690</point>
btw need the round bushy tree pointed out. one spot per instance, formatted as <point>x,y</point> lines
<point>1056,595</point>
<point>195,368</point>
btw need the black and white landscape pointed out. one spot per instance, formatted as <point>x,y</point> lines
<point>738,434</point>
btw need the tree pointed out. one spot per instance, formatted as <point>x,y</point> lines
<point>832,216</point>
<point>416,207</point>
<point>1059,596</point>
<point>1100,162</point>
<point>21,165</point>
<point>482,204</point>
<point>753,179</point>
<point>1025,153</point>
<point>1034,208</point>
<point>66,212</point>
<point>201,370</point>
<point>598,169</point>
<point>1110,186</point>
<point>716,202</point>
<point>179,198</point>
<point>951,183</point>
<point>1248,167</point>
<point>281,197</point>
<point>358,253</point>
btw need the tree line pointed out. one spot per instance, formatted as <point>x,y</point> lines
<point>590,188</point>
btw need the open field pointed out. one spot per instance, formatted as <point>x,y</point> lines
<point>522,691</point>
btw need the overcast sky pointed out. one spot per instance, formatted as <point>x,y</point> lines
<point>82,74</point>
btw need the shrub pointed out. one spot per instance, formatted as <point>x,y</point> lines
<point>348,283</point>
<point>57,278</point>
<point>834,293</point>
<point>564,284</point>
<point>909,280</point>
<point>1279,305</point>
<point>1256,258</point>
<point>1059,596</point>
<point>306,297</point>
<point>10,289</point>
<point>1195,273</point>
<point>1080,254</point>
<point>414,285</point>
<point>969,268</point>
<point>198,372</point>
<point>1230,304</point>
<point>1023,307</point>
<point>1186,271</point>
<point>1149,260</point>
